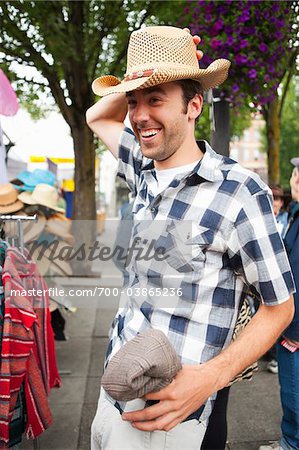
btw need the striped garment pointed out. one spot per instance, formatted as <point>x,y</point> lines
<point>218,230</point>
<point>28,352</point>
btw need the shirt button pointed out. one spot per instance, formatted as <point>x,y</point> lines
<point>153,209</point>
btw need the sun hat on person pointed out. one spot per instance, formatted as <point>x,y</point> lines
<point>44,195</point>
<point>161,54</point>
<point>9,202</point>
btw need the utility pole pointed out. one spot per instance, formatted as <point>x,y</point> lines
<point>220,124</point>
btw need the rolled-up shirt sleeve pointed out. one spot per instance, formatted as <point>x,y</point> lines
<point>257,252</point>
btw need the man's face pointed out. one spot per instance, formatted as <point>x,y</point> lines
<point>294,183</point>
<point>159,120</point>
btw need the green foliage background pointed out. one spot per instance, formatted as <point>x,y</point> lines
<point>289,132</point>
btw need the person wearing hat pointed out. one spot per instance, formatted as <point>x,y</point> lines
<point>287,347</point>
<point>281,216</point>
<point>218,230</point>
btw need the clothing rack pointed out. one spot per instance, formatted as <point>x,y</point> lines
<point>19,220</point>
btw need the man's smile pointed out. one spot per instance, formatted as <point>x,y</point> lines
<point>148,134</point>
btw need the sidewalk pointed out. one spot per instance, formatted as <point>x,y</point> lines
<point>254,408</point>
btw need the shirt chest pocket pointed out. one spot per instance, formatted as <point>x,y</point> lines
<point>187,244</point>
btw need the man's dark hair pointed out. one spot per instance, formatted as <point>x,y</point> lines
<point>190,88</point>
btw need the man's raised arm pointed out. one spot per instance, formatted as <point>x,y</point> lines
<point>106,117</point>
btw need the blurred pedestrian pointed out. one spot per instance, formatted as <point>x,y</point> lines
<point>282,221</point>
<point>279,208</point>
<point>288,345</point>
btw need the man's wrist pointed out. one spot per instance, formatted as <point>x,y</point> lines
<point>218,371</point>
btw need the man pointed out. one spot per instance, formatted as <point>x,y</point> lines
<point>217,225</point>
<point>288,346</point>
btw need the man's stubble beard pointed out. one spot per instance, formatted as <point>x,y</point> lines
<point>171,143</point>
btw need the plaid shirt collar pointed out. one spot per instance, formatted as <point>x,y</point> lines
<point>207,168</point>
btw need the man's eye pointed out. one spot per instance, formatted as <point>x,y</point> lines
<point>131,103</point>
<point>154,100</point>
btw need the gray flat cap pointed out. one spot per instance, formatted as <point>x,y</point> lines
<point>145,364</point>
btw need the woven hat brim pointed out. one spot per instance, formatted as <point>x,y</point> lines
<point>214,75</point>
<point>16,206</point>
<point>29,199</point>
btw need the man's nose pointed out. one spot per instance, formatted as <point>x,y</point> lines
<point>140,114</point>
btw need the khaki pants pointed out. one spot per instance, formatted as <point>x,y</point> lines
<point>110,432</point>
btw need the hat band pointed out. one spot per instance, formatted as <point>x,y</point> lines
<point>8,204</point>
<point>139,74</point>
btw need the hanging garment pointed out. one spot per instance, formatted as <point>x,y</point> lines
<point>17,422</point>
<point>28,352</point>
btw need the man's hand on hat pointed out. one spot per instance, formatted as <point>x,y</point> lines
<point>196,40</point>
<point>188,392</point>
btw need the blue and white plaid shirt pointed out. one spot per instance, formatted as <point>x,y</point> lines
<point>219,232</point>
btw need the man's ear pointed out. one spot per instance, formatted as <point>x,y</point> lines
<point>195,107</point>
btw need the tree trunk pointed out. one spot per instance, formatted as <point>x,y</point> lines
<point>84,148</point>
<point>84,213</point>
<point>221,136</point>
<point>273,135</point>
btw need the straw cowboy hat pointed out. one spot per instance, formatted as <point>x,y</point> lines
<point>44,195</point>
<point>9,202</point>
<point>159,55</point>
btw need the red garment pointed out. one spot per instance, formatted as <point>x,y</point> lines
<point>28,352</point>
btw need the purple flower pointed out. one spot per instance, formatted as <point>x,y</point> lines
<point>251,63</point>
<point>267,14</point>
<point>243,43</point>
<point>186,10</point>
<point>267,78</point>
<point>244,17</point>
<point>215,44</point>
<point>235,88</point>
<point>279,35</point>
<point>230,40</point>
<point>252,73</point>
<point>275,7</point>
<point>241,59</point>
<point>218,25</point>
<point>263,47</point>
<point>248,30</point>
<point>228,29</point>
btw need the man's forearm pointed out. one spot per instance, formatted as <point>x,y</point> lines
<point>256,338</point>
<point>106,118</point>
<point>112,107</point>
